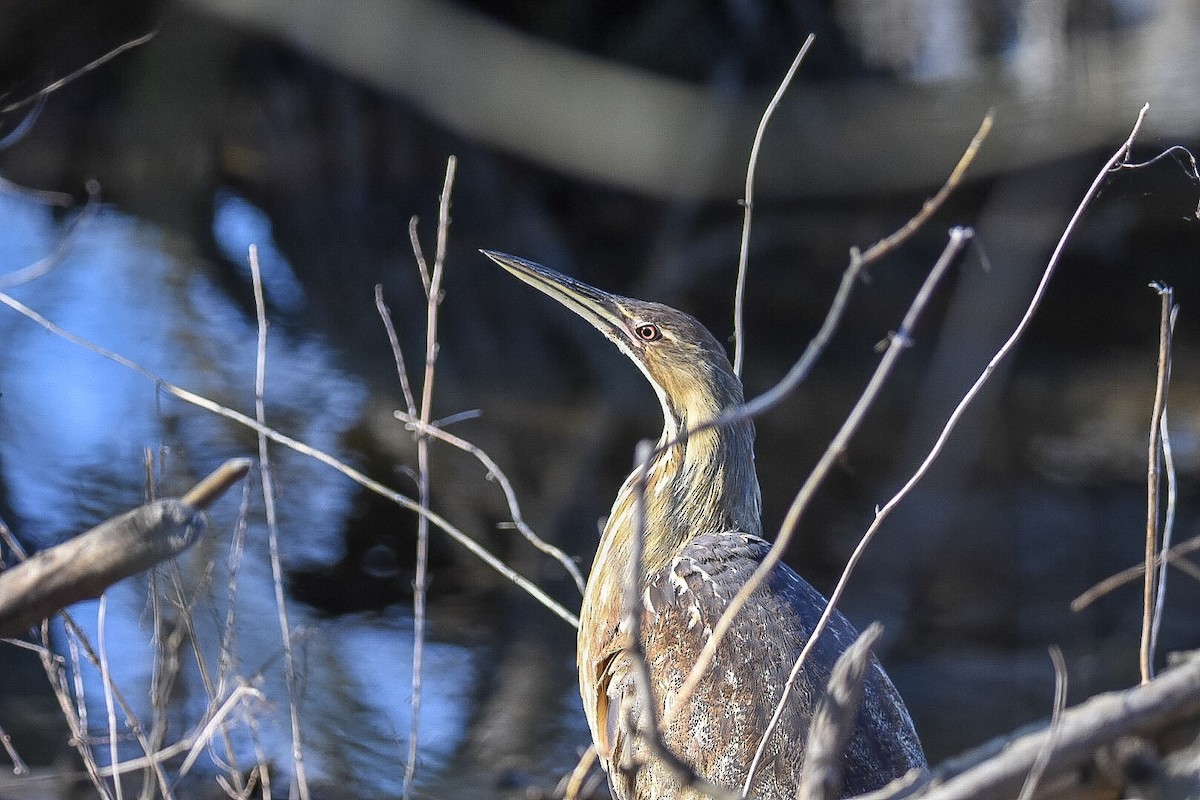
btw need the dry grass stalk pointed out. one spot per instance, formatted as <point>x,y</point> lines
<point>268,491</point>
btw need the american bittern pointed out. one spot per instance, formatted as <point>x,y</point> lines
<point>702,540</point>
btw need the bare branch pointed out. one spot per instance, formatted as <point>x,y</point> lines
<point>494,472</point>
<point>385,314</point>
<point>739,295</point>
<point>899,341</point>
<point>292,444</point>
<point>998,768</point>
<point>1009,345</point>
<point>217,483</point>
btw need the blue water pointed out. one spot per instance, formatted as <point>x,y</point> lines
<point>74,434</point>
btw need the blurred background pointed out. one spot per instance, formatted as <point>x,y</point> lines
<point>608,141</point>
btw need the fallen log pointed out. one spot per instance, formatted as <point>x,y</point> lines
<point>84,566</point>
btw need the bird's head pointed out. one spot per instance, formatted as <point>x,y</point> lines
<point>683,362</point>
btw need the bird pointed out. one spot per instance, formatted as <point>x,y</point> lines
<point>702,538</point>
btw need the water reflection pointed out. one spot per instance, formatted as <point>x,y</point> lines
<point>237,224</point>
<point>75,429</point>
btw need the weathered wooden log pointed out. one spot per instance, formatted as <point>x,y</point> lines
<point>83,567</point>
<point>1084,734</point>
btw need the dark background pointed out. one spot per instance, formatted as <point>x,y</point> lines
<point>336,121</point>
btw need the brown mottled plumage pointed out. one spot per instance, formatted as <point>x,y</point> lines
<point>702,543</point>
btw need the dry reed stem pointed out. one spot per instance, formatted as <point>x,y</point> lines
<point>268,491</point>
<point>583,766</point>
<point>1153,479</point>
<point>433,297</point>
<point>107,682</point>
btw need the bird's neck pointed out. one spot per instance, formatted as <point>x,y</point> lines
<point>706,483</point>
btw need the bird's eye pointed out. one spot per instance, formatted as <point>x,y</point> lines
<point>648,332</point>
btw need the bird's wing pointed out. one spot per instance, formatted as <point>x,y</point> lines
<point>715,733</point>
<point>719,730</point>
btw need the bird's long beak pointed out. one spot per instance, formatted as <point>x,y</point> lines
<point>597,307</point>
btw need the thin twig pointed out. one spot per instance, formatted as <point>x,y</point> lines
<point>61,248</point>
<point>952,421</point>
<point>800,370</point>
<point>192,743</point>
<point>495,473</point>
<point>899,341</point>
<point>1047,749</point>
<point>739,295</point>
<point>19,767</point>
<point>1168,528</point>
<point>86,68</point>
<point>53,667</point>
<point>226,664</point>
<point>25,125</point>
<point>930,207</point>
<point>161,673</point>
<point>358,477</point>
<point>422,267</point>
<point>433,298</point>
<point>1153,470</point>
<point>1172,557</point>
<point>6,536</point>
<point>268,487</point>
<point>215,722</point>
<point>385,314</point>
